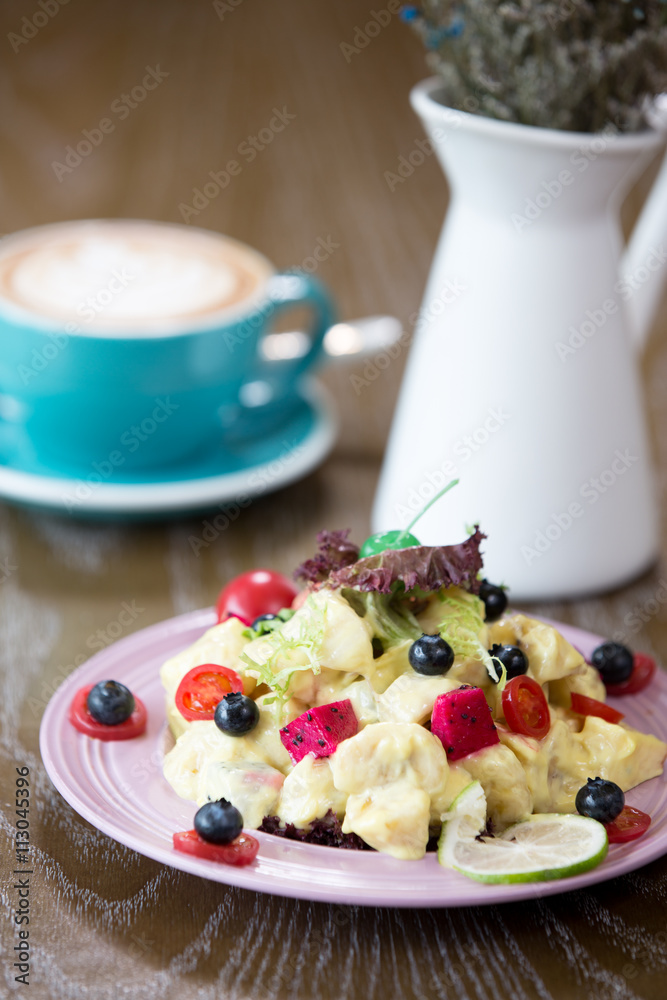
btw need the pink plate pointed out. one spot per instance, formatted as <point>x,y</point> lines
<point>119,788</point>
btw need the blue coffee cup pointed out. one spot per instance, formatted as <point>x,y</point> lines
<point>89,379</point>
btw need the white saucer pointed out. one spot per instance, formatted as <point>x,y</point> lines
<point>293,447</point>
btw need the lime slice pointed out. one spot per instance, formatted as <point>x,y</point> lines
<point>546,846</point>
<point>467,814</point>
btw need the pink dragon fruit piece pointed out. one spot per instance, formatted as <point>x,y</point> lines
<point>462,722</point>
<point>319,730</point>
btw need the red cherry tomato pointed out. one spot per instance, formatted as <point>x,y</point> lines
<point>82,720</point>
<point>628,825</point>
<point>241,851</point>
<point>643,670</point>
<point>301,598</point>
<point>525,708</point>
<point>257,592</point>
<point>202,688</point>
<point>583,705</point>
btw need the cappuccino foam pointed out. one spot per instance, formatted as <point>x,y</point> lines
<point>117,276</point>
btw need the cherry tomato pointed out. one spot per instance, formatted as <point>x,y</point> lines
<point>202,688</point>
<point>241,851</point>
<point>525,707</point>
<point>643,670</point>
<point>257,592</point>
<point>628,825</point>
<point>82,720</point>
<point>301,598</point>
<point>583,705</point>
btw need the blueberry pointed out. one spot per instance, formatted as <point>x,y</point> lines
<point>431,655</point>
<point>495,600</point>
<point>601,800</point>
<point>512,658</point>
<point>110,703</point>
<point>236,714</point>
<point>614,661</point>
<point>218,822</point>
<point>262,618</point>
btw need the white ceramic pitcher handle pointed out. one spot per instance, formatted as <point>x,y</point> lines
<point>646,252</point>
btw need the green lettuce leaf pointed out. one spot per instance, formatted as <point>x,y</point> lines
<point>461,624</point>
<point>392,622</point>
<point>304,633</point>
<point>267,626</point>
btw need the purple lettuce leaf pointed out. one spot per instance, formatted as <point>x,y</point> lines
<point>424,567</point>
<point>335,552</point>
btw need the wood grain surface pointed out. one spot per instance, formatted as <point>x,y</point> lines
<point>106,922</point>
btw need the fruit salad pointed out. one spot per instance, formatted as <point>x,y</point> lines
<point>392,682</point>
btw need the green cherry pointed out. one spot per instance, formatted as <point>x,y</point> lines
<point>387,540</point>
<point>399,539</point>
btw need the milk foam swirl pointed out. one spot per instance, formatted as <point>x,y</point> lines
<point>126,277</point>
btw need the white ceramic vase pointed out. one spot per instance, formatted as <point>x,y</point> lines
<point>522,378</point>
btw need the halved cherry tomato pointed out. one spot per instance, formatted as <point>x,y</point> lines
<point>241,851</point>
<point>257,592</point>
<point>82,720</point>
<point>525,708</point>
<point>202,688</point>
<point>583,705</point>
<point>628,825</point>
<point>643,670</point>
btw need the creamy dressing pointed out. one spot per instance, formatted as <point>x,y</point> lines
<point>309,793</point>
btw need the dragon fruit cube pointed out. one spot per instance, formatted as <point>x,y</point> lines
<point>319,730</point>
<point>463,723</point>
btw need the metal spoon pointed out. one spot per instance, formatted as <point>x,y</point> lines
<point>343,342</point>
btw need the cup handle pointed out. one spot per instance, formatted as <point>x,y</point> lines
<point>285,291</point>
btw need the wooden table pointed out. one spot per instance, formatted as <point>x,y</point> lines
<point>106,922</point>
